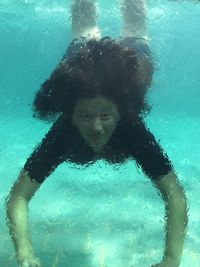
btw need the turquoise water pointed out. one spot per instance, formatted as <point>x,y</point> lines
<point>104,215</point>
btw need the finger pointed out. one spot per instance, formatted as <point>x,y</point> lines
<point>35,263</point>
<point>25,264</point>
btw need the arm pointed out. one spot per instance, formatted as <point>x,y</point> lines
<point>176,215</point>
<point>17,209</point>
<point>41,163</point>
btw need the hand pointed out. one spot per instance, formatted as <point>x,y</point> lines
<point>31,261</point>
<point>167,262</point>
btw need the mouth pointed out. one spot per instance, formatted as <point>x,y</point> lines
<point>98,141</point>
<point>97,137</point>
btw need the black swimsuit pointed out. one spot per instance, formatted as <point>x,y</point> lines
<point>63,143</point>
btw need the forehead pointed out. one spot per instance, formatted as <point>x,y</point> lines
<point>95,104</point>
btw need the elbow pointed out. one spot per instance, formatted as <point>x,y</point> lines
<point>14,200</point>
<point>178,197</point>
<point>177,204</point>
<point>172,191</point>
<point>9,200</point>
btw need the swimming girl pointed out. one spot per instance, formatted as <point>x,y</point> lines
<point>96,96</point>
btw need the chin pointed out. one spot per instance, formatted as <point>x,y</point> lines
<point>97,148</point>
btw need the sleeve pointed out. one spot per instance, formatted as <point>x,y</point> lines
<point>149,154</point>
<point>48,154</point>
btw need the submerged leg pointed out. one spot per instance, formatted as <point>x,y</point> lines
<point>84,19</point>
<point>134,17</point>
<point>135,36</point>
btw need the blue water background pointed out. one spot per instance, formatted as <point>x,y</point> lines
<point>104,215</point>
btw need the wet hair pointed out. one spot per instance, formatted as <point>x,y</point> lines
<point>100,67</point>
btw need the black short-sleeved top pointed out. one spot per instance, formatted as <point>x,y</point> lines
<point>63,143</point>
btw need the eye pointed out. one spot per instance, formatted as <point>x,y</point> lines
<point>106,116</point>
<point>85,116</point>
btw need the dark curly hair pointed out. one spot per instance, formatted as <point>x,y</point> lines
<point>101,67</point>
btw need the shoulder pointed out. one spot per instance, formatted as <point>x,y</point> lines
<point>59,128</point>
<point>148,152</point>
<point>136,131</point>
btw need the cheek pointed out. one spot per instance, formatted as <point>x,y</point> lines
<point>111,126</point>
<point>83,127</point>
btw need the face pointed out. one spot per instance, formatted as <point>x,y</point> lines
<point>96,119</point>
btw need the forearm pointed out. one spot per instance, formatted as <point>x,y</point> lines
<point>176,224</point>
<point>17,215</point>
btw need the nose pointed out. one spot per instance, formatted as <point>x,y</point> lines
<point>98,126</point>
